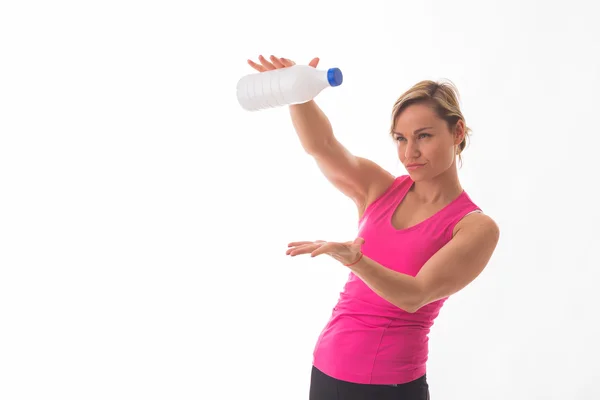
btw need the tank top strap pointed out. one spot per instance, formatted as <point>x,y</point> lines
<point>457,211</point>
<point>390,198</point>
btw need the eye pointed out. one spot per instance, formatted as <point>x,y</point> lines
<point>421,135</point>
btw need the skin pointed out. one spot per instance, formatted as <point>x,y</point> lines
<point>436,146</point>
<point>420,137</point>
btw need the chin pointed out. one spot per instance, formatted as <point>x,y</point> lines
<point>419,175</point>
<point>416,176</point>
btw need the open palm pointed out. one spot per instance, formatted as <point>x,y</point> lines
<point>345,252</point>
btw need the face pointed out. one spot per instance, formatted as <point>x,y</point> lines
<point>424,138</point>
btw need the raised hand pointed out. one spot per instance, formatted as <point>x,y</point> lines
<point>277,63</point>
<point>346,252</point>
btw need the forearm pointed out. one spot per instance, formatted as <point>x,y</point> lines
<point>399,289</point>
<point>312,126</point>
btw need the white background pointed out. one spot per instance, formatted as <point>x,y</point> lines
<point>144,216</point>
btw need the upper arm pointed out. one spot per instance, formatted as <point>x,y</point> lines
<point>460,261</point>
<point>358,178</point>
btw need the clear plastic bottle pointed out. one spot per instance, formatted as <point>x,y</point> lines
<point>285,86</point>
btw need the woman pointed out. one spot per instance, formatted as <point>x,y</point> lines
<point>420,240</point>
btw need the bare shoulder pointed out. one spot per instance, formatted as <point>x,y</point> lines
<point>379,181</point>
<point>378,175</point>
<point>478,225</point>
<point>356,177</point>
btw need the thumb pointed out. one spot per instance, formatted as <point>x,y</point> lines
<point>314,62</point>
<point>359,241</point>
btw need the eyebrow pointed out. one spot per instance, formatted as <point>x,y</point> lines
<point>417,131</point>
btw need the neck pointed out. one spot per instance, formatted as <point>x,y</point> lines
<point>442,188</point>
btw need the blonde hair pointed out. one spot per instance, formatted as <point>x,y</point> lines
<point>444,99</point>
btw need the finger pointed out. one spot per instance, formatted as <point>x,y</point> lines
<point>293,244</point>
<point>276,62</point>
<point>325,248</point>
<point>256,66</point>
<point>314,62</point>
<point>305,249</point>
<point>268,66</point>
<point>286,62</point>
<point>299,249</point>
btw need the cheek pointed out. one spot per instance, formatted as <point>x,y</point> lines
<point>438,152</point>
<point>401,153</point>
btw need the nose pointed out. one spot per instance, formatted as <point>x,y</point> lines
<point>411,151</point>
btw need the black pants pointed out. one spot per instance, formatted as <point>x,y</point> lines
<point>324,387</point>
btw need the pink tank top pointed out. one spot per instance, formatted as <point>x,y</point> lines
<point>367,339</point>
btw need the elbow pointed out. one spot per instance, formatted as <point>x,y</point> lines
<point>414,304</point>
<point>409,307</point>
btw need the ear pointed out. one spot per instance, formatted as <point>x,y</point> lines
<point>459,132</point>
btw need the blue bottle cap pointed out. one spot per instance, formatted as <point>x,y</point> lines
<point>334,76</point>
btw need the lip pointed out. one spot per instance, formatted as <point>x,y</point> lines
<point>414,166</point>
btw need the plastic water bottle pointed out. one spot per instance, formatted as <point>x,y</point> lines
<point>285,86</point>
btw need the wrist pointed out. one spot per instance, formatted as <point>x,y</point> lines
<point>355,260</point>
